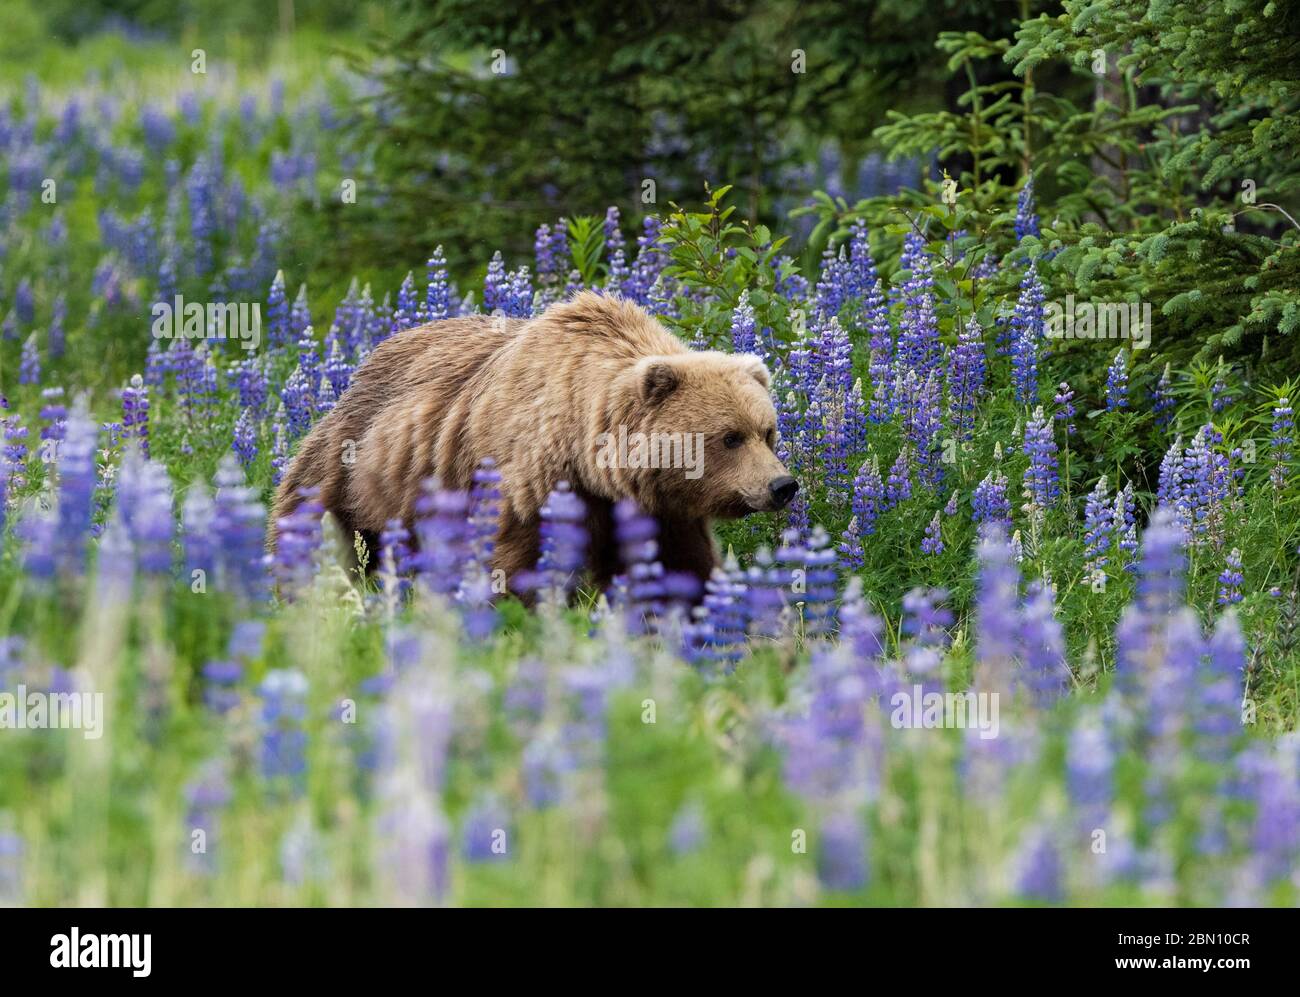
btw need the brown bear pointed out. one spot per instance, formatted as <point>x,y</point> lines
<point>594,392</point>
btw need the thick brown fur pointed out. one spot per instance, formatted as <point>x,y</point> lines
<point>536,395</point>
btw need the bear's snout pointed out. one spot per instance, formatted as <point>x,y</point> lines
<point>782,490</point>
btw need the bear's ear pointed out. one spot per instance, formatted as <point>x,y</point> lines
<point>755,368</point>
<point>658,379</point>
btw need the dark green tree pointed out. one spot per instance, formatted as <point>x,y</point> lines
<point>491,118</point>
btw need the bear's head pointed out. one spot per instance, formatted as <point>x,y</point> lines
<point>699,437</point>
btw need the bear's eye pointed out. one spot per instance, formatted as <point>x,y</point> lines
<point>770,439</point>
<point>732,440</point>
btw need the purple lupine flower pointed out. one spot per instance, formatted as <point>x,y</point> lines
<point>1026,217</point>
<point>395,558</point>
<point>283,754</point>
<point>919,346</point>
<point>206,796</point>
<point>1065,411</point>
<point>1218,716</point>
<point>842,853</point>
<point>996,615</point>
<point>1098,525</point>
<point>744,331</point>
<point>325,397</point>
<point>77,479</point>
<point>338,372</point>
<point>55,340</point>
<point>898,488</point>
<point>299,402</point>
<point>1041,876</point>
<point>543,766</point>
<point>299,537</point>
<point>135,412</point>
<point>145,504</point>
<point>717,635</point>
<point>25,302</point>
<point>116,576</point>
<point>1117,384</point>
<point>926,618</point>
<point>485,833</point>
<point>1162,399</point>
<point>239,525</point>
<point>834,357</point>
<point>950,507</point>
<point>1230,579</point>
<point>1197,486</point>
<point>1026,331</point>
<point>641,585</point>
<point>832,290</point>
<point>198,534</point>
<point>279,445</point>
<point>299,317</point>
<point>1169,483</point>
<point>4,502</point>
<point>245,440</point>
<point>1275,837</point>
<point>1220,397</point>
<point>966,370</point>
<point>408,314</point>
<point>989,502</point>
<point>862,274</point>
<point>250,381</point>
<point>1126,523</point>
<point>1042,483</point>
<point>869,498</point>
<point>563,544</point>
<point>855,417</point>
<point>157,363</point>
<point>496,286</point>
<point>796,514</point>
<point>437,299</point>
<point>860,629</point>
<point>615,251</point>
<point>651,259</point>
<point>882,353</point>
<point>834,447</point>
<point>309,361</point>
<point>348,318</point>
<point>277,313</point>
<point>820,589</point>
<point>933,540</point>
<point>1160,573</point>
<point>850,549</point>
<point>520,294</point>
<point>485,509</point>
<point>29,364</point>
<point>53,414</point>
<point>1280,442</point>
<point>549,265</point>
<point>443,530</point>
<point>924,424</point>
<point>1089,769</point>
<point>1044,671</point>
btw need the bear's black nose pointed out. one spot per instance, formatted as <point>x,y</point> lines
<point>782,490</point>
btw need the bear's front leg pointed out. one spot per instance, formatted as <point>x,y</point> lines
<point>687,545</point>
